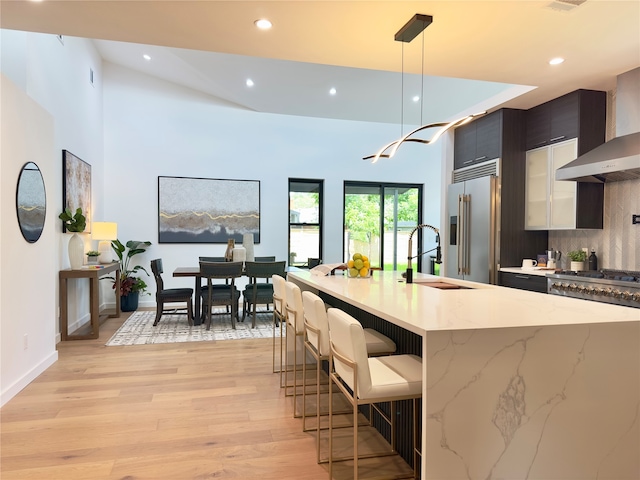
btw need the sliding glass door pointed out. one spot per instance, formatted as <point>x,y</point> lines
<point>378,218</point>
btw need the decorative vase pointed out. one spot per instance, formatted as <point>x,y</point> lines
<point>228,255</point>
<point>76,251</point>
<point>577,266</point>
<point>129,303</point>
<point>239,254</point>
<point>247,243</point>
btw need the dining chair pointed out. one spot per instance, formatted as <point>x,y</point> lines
<point>214,259</point>
<point>257,292</point>
<point>225,294</point>
<point>169,295</point>
<point>279,318</point>
<point>316,342</point>
<point>365,380</point>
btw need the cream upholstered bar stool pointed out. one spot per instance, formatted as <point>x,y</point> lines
<point>279,318</point>
<point>368,381</point>
<point>294,333</point>
<point>317,345</point>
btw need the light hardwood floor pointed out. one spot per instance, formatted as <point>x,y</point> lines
<point>174,411</point>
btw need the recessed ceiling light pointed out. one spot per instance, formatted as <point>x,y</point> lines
<point>146,57</point>
<point>556,61</point>
<point>249,82</point>
<point>263,24</point>
<point>416,98</point>
<point>332,91</point>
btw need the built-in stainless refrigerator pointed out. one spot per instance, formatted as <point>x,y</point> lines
<point>472,243</point>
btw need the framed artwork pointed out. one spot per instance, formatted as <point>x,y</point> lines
<point>76,187</point>
<point>206,210</point>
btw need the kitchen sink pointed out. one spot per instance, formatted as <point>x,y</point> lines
<point>443,285</point>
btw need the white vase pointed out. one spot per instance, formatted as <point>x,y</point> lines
<point>239,254</point>
<point>76,251</point>
<point>577,266</point>
<point>247,243</point>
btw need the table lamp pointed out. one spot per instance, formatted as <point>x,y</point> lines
<point>104,232</point>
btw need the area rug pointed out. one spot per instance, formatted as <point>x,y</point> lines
<point>138,329</point>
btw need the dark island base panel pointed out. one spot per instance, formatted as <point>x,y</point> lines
<point>406,343</point>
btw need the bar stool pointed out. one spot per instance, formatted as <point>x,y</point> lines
<point>279,317</point>
<point>317,344</point>
<point>295,327</point>
<point>368,380</point>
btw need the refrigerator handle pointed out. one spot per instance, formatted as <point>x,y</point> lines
<point>464,249</point>
<point>460,235</point>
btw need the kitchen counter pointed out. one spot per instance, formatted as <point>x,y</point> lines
<point>420,308</point>
<point>516,384</point>
<point>529,271</point>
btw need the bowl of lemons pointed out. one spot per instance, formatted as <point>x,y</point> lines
<point>359,266</point>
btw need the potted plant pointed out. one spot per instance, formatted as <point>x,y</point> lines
<point>92,257</point>
<point>76,223</point>
<point>578,257</point>
<point>131,286</point>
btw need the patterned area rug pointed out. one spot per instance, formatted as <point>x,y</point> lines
<point>138,329</point>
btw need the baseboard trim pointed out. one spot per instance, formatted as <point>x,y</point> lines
<point>29,377</point>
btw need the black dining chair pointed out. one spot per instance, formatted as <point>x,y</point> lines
<point>223,294</point>
<point>259,290</point>
<point>169,295</point>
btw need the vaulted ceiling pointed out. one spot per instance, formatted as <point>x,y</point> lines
<point>477,54</point>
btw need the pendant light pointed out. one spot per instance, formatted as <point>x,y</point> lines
<point>407,33</point>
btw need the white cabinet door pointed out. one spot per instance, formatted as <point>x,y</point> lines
<point>563,193</point>
<point>537,189</point>
<point>550,204</point>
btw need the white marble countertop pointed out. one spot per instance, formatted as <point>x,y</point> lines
<point>542,272</point>
<point>420,308</point>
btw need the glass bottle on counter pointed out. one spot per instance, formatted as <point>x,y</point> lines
<point>593,260</point>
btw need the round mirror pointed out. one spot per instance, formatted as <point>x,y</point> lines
<point>31,202</point>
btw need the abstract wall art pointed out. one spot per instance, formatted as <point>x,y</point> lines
<point>205,210</point>
<point>76,187</point>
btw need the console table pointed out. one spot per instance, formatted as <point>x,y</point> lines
<point>93,274</point>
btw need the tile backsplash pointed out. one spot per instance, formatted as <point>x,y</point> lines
<point>617,245</point>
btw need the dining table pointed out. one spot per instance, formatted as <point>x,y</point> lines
<point>193,272</point>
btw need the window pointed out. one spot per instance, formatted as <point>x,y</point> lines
<point>305,221</point>
<point>378,219</point>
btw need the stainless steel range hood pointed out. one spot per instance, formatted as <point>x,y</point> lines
<point>619,158</point>
<point>615,160</point>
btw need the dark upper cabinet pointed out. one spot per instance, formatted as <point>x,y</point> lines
<point>478,141</point>
<point>580,114</point>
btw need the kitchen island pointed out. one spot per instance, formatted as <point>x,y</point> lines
<point>517,384</point>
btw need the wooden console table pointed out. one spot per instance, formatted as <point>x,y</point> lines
<point>93,274</point>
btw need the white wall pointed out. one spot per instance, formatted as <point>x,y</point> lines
<point>47,105</point>
<point>150,128</point>
<point>153,128</point>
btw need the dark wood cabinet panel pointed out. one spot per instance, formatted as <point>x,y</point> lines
<point>580,114</point>
<point>464,145</point>
<point>488,137</point>
<point>523,281</point>
<point>478,141</point>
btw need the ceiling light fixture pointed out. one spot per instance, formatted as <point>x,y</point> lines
<point>263,24</point>
<point>406,34</point>
<point>249,82</point>
<point>332,91</point>
<point>146,57</point>
<point>556,61</point>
